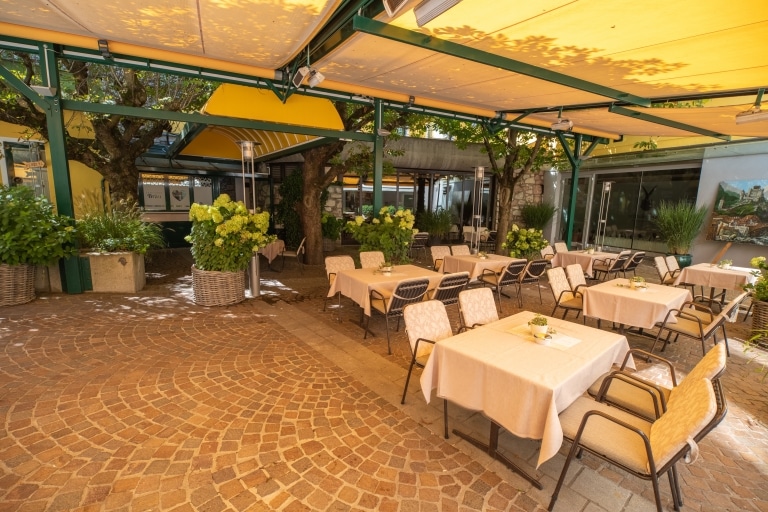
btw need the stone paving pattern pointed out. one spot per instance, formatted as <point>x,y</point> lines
<point>113,402</point>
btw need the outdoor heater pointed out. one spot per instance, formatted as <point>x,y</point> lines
<point>477,209</point>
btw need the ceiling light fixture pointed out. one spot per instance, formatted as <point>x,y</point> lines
<point>562,125</point>
<point>104,49</point>
<point>428,10</point>
<point>315,78</point>
<point>300,75</point>
<point>754,114</point>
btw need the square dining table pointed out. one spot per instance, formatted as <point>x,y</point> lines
<point>706,274</point>
<point>583,258</point>
<point>273,250</point>
<point>615,301</point>
<point>358,283</point>
<point>475,265</point>
<point>522,386</point>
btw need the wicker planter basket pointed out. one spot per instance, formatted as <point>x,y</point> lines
<point>213,288</point>
<point>17,284</point>
<point>760,321</point>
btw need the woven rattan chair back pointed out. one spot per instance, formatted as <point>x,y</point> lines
<point>575,276</point>
<point>460,250</point>
<point>561,247</point>
<point>333,265</point>
<point>371,259</point>
<point>477,307</point>
<point>439,252</point>
<point>632,263</point>
<point>449,288</point>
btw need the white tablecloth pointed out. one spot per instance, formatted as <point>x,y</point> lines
<point>705,274</point>
<point>357,284</point>
<point>615,301</point>
<point>474,265</point>
<point>273,250</point>
<point>500,370</point>
<point>563,259</point>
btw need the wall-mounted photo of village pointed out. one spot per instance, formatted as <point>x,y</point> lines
<point>741,212</point>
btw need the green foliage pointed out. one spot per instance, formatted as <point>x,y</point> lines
<point>437,223</point>
<point>760,287</point>
<point>30,230</point>
<point>390,233</point>
<point>287,212</point>
<point>536,215</point>
<point>331,226</point>
<point>525,242</point>
<point>538,319</point>
<point>224,235</point>
<point>645,145</point>
<point>117,229</point>
<point>679,224</point>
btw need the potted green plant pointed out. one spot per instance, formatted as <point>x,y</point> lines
<point>331,228</point>
<point>525,242</point>
<point>759,290</point>
<point>31,233</point>
<point>437,223</point>
<point>536,215</point>
<point>538,324</point>
<point>389,232</point>
<point>116,240</point>
<point>224,238</point>
<point>679,224</point>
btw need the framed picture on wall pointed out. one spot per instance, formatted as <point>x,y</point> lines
<point>740,213</point>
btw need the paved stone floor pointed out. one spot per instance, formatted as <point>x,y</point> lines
<point>148,402</point>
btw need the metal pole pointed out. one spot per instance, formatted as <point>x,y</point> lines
<point>254,277</point>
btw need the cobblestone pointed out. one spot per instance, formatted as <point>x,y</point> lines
<point>147,401</point>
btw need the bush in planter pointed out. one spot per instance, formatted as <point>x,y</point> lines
<point>31,233</point>
<point>224,235</point>
<point>390,233</point>
<point>437,223</point>
<point>118,229</point>
<point>525,243</point>
<point>536,215</point>
<point>679,224</point>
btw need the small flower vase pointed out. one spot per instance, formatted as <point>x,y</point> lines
<point>539,329</point>
<point>632,285</point>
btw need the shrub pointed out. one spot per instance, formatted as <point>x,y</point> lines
<point>31,232</point>
<point>536,215</point>
<point>117,229</point>
<point>525,243</point>
<point>224,236</point>
<point>390,233</point>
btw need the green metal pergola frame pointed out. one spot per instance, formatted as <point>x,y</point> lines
<point>54,106</point>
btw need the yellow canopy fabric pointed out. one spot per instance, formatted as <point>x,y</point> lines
<point>248,103</point>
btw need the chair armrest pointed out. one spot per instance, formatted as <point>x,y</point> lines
<point>653,389</point>
<point>560,298</point>
<point>490,272</point>
<point>576,290</point>
<point>648,356</point>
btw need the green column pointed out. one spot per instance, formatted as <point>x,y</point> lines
<point>62,186</point>
<point>575,161</point>
<point>378,158</point>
